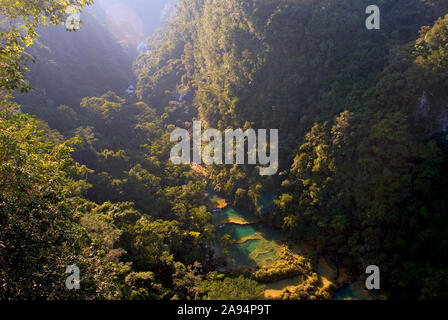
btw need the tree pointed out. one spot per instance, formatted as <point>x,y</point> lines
<point>23,19</point>
<point>38,234</point>
<point>239,288</point>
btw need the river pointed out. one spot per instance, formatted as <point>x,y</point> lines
<point>255,244</point>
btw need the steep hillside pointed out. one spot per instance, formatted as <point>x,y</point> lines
<point>72,65</point>
<point>360,112</point>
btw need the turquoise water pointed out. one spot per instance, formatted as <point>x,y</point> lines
<point>255,245</point>
<point>239,255</point>
<point>266,202</point>
<point>234,215</point>
<point>355,291</point>
<point>345,293</point>
<point>237,232</point>
<point>250,246</point>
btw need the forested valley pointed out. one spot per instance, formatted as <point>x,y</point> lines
<point>86,177</point>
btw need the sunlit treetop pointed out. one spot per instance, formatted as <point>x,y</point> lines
<point>19,21</point>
